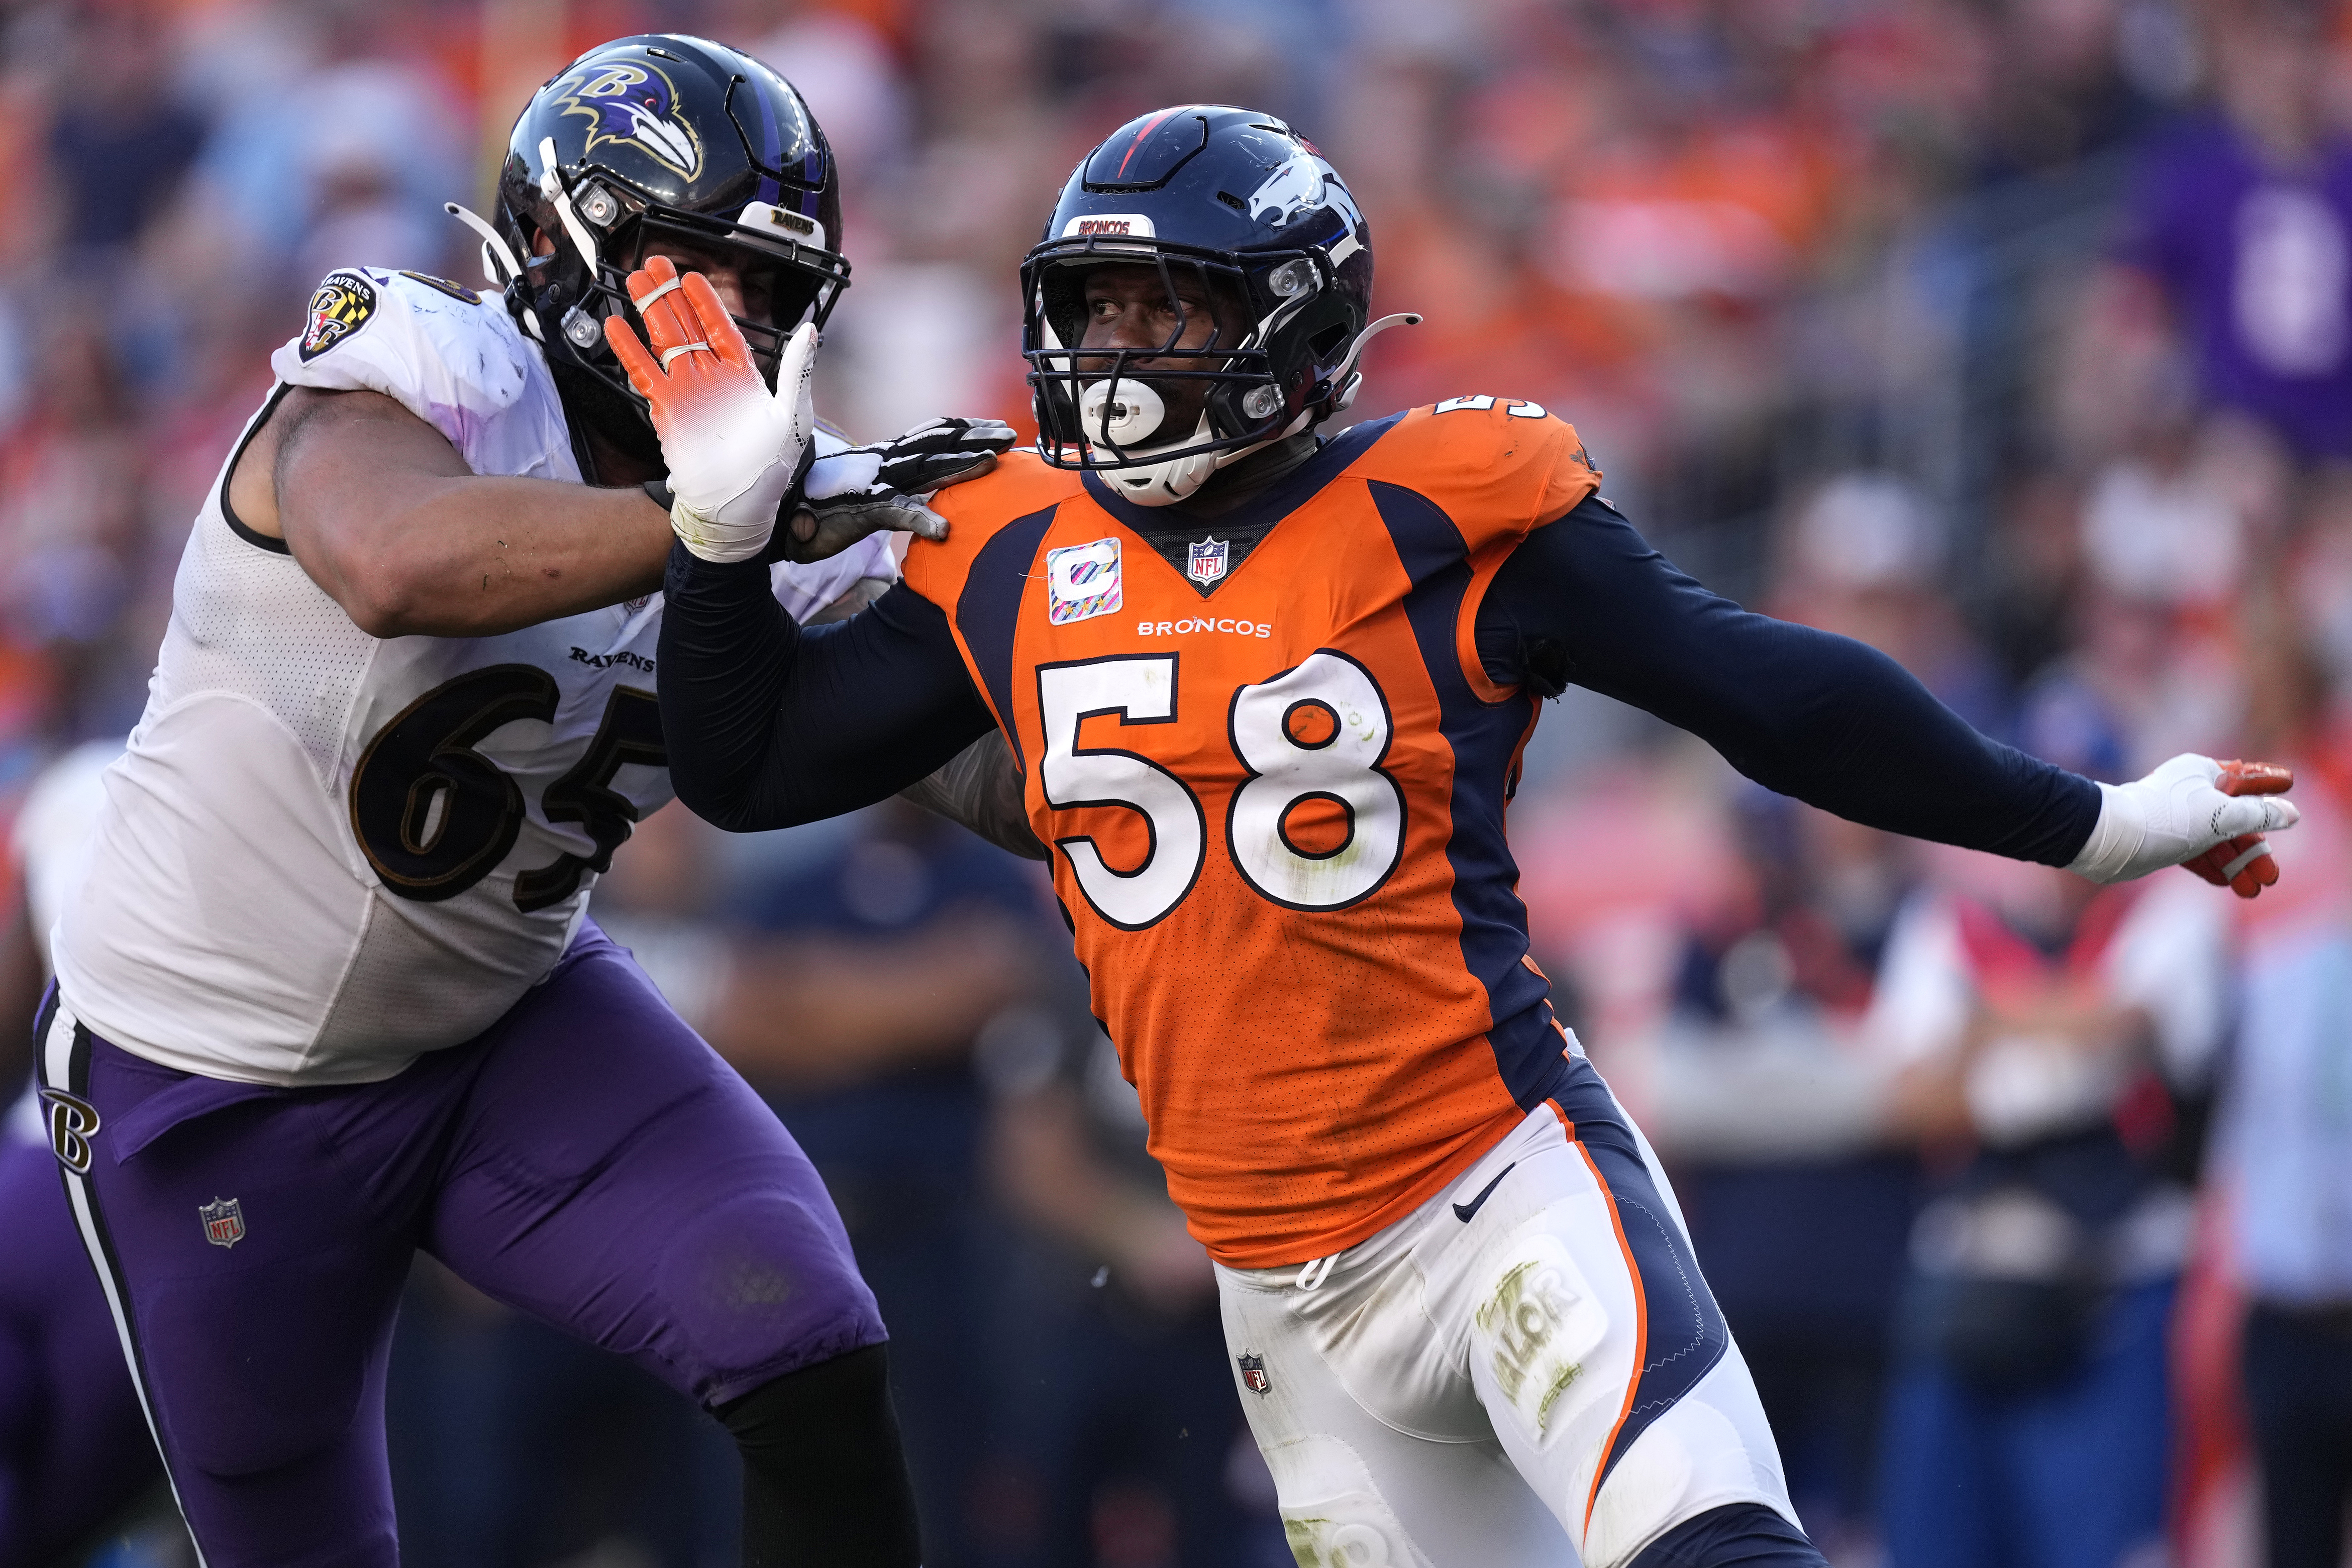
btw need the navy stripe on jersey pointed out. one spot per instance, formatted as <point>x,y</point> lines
<point>1684,1334</point>
<point>1484,737</point>
<point>989,610</point>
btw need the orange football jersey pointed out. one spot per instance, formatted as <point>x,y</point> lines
<point>1274,791</point>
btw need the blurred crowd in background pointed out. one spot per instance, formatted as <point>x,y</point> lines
<point>2011,336</point>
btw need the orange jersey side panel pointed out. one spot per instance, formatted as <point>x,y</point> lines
<point>1276,809</point>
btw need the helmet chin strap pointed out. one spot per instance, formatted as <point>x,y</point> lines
<point>498,262</point>
<point>1174,479</point>
<point>550,185</point>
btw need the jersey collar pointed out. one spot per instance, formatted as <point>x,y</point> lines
<point>1279,501</point>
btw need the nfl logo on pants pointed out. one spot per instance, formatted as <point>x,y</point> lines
<point>224,1221</point>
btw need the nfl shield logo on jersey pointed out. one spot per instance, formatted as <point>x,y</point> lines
<point>1205,561</point>
<point>224,1221</point>
<point>1253,1367</point>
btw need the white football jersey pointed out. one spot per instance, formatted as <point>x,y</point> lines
<point>323,852</point>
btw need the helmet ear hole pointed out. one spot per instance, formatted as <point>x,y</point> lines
<point>1328,341</point>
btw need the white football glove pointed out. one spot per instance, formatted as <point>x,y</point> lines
<point>732,447</point>
<point>2194,811</point>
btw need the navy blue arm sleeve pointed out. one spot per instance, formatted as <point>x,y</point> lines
<point>1829,720</point>
<point>768,724</point>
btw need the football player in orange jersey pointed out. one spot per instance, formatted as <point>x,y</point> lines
<point>1265,695</point>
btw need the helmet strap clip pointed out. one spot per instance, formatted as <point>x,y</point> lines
<point>499,261</point>
<point>1347,379</point>
<point>499,265</point>
<point>550,185</point>
<point>582,328</point>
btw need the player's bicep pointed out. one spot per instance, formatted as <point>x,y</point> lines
<point>346,469</point>
<point>1588,601</point>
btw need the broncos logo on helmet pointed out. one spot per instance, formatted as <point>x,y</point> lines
<point>634,104</point>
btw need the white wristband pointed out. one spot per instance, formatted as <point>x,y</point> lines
<point>2106,855</point>
<point>716,541</point>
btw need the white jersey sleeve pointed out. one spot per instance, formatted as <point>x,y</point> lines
<point>323,852</point>
<point>51,840</point>
<point>464,368</point>
<point>438,349</point>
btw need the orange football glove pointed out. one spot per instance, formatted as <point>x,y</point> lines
<point>732,447</point>
<point>2243,864</point>
<point>701,349</point>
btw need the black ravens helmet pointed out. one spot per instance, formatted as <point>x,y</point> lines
<point>1267,229</point>
<point>652,138</point>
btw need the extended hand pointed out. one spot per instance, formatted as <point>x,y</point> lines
<point>2193,811</point>
<point>2244,864</point>
<point>852,492</point>
<point>732,447</point>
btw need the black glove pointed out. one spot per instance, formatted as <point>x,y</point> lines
<point>935,454</point>
<point>847,494</point>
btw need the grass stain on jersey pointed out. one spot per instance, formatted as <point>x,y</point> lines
<point>1320,880</point>
<point>1323,1542</point>
<point>1305,1539</point>
<point>1524,1315</point>
<point>1566,1376</point>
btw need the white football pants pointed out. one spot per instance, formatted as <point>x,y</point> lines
<point>1545,1382</point>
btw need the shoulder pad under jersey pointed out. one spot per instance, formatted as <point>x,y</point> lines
<point>1021,484</point>
<point>452,358</point>
<point>1493,465</point>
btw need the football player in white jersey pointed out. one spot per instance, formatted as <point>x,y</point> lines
<point>329,992</point>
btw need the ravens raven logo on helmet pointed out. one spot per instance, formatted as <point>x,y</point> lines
<point>635,104</point>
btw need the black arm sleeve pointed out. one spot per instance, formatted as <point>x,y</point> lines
<point>768,724</point>
<point>1830,721</point>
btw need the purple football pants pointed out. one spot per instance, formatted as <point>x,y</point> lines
<point>587,1159</point>
<point>73,1447</point>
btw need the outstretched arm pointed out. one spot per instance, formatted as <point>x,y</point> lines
<point>1829,720</point>
<point>384,514</point>
<point>770,724</point>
